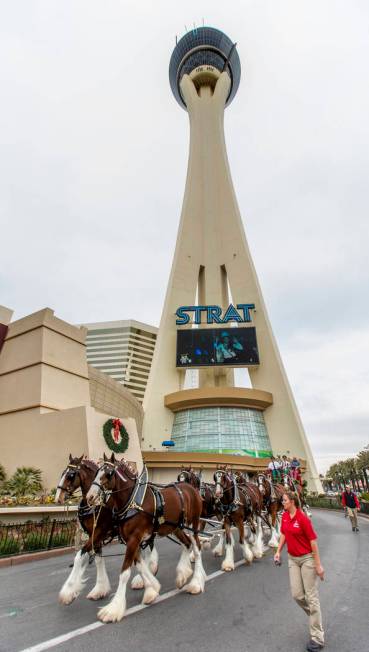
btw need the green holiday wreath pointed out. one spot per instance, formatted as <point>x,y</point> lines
<point>115,435</point>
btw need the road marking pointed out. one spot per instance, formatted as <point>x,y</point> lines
<point>53,642</point>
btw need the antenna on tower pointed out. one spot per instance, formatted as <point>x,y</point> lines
<point>176,39</point>
<point>195,28</point>
<point>186,28</point>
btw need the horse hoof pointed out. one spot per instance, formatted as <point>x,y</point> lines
<point>111,614</point>
<point>217,553</point>
<point>192,557</point>
<point>67,598</point>
<point>194,589</point>
<point>149,596</point>
<point>137,583</point>
<point>226,566</point>
<point>97,594</point>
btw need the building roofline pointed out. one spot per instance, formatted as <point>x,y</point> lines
<point>120,323</point>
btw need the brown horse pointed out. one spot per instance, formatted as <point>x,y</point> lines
<point>236,507</point>
<point>272,498</point>
<point>96,522</point>
<point>143,512</point>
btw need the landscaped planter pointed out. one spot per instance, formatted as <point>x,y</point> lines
<point>23,513</point>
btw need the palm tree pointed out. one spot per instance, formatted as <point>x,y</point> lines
<point>2,474</point>
<point>26,480</point>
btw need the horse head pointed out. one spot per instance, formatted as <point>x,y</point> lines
<point>223,481</point>
<point>188,475</point>
<point>70,479</point>
<point>262,483</point>
<point>115,476</point>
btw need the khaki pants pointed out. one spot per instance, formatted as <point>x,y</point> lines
<point>303,581</point>
<point>352,512</point>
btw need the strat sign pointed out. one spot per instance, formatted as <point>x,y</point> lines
<point>240,314</point>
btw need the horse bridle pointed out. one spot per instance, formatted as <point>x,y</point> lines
<point>115,469</point>
<point>77,467</point>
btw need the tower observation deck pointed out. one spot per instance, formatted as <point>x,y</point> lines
<point>209,49</point>
<point>212,268</point>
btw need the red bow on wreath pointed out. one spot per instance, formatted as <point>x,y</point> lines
<point>117,424</point>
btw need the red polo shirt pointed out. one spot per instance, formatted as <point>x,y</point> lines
<point>298,532</point>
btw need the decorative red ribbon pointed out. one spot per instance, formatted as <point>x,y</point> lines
<point>117,426</point>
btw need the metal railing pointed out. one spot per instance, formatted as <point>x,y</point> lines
<point>20,538</point>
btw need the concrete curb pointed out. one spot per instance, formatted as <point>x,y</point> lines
<point>34,556</point>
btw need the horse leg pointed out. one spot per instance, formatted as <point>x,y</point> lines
<point>257,547</point>
<point>114,611</point>
<point>228,562</point>
<point>73,585</point>
<point>197,584</point>
<point>102,586</point>
<point>247,552</point>
<point>273,541</point>
<point>184,568</point>
<point>151,584</point>
<point>152,560</point>
<point>218,551</point>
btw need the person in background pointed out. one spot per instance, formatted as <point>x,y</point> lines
<point>304,565</point>
<point>274,469</point>
<point>285,466</point>
<point>351,502</point>
<point>295,466</point>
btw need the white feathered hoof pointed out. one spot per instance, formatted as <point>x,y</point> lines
<point>196,586</point>
<point>192,557</point>
<point>137,583</point>
<point>112,613</point>
<point>182,577</point>
<point>218,551</point>
<point>227,565</point>
<point>150,595</point>
<point>67,597</point>
<point>98,594</point>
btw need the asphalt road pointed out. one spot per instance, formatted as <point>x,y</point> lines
<point>248,610</point>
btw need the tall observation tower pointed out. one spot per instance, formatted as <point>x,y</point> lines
<point>214,317</point>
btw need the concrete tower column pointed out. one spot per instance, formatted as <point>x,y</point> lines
<point>212,253</point>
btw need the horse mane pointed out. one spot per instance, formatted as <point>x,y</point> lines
<point>89,464</point>
<point>124,465</point>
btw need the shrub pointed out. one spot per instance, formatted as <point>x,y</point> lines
<point>26,480</point>
<point>61,540</point>
<point>35,541</point>
<point>365,495</point>
<point>9,547</point>
<point>2,474</point>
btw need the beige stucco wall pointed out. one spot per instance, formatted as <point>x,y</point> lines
<point>46,411</point>
<point>109,396</point>
<point>45,440</point>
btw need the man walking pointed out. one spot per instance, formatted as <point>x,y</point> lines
<point>351,502</point>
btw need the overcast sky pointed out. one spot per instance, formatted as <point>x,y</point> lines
<point>93,162</point>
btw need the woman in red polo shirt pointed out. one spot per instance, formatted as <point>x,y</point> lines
<point>303,563</point>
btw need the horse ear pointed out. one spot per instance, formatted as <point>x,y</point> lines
<point>70,457</point>
<point>112,458</point>
<point>105,458</point>
<point>80,459</point>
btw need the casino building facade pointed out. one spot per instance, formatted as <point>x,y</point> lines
<point>214,318</point>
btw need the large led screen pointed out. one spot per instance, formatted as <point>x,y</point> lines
<point>209,347</point>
